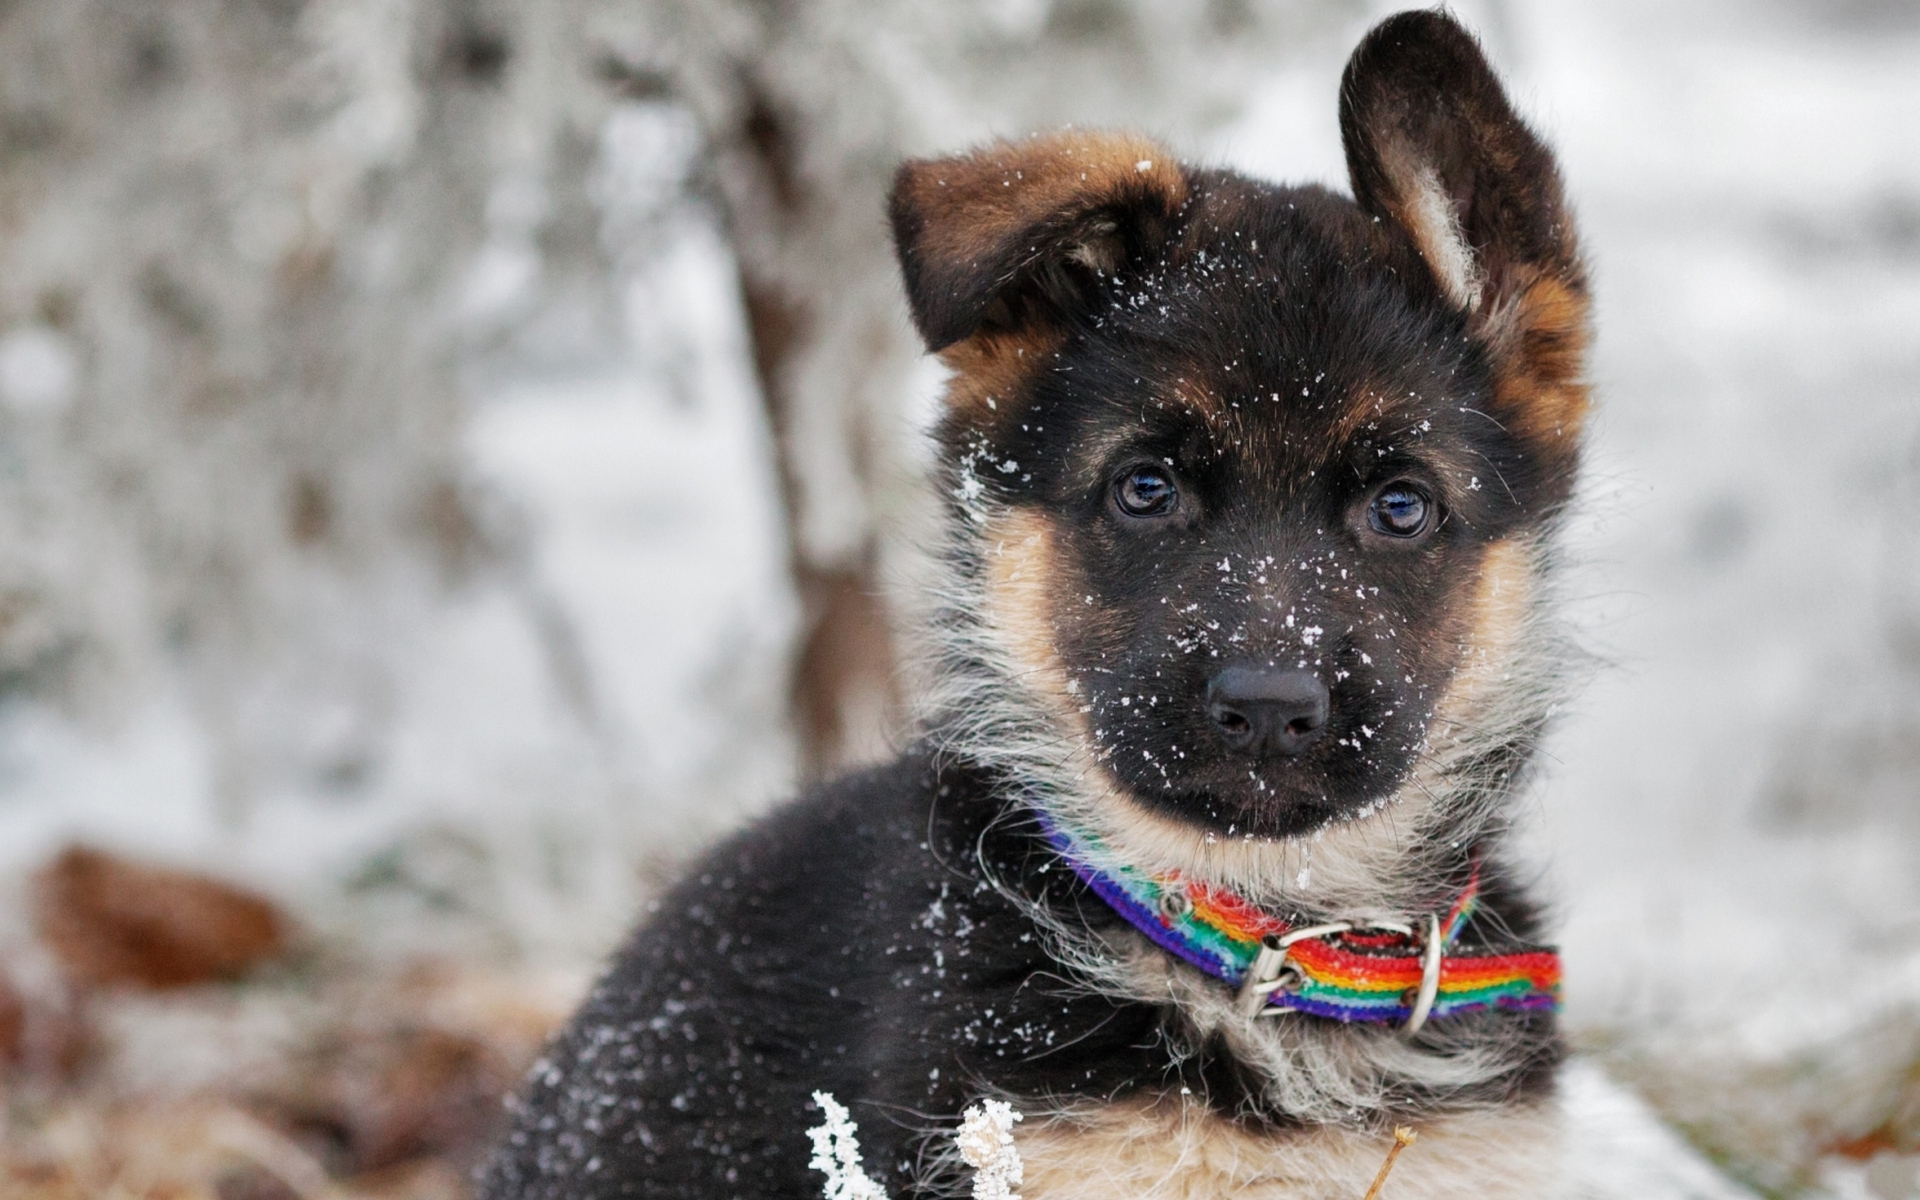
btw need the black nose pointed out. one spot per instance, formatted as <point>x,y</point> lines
<point>1265,710</point>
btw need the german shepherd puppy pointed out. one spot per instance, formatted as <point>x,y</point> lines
<point>1244,645</point>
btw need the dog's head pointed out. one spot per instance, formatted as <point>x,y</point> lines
<point>1254,475</point>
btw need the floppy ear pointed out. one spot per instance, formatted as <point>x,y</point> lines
<point>1018,233</point>
<point>1434,145</point>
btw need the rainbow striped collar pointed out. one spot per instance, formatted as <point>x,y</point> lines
<point>1344,971</point>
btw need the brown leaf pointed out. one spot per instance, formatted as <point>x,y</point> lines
<point>111,921</point>
<point>13,1024</point>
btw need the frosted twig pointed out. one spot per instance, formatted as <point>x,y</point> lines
<point>986,1142</point>
<point>1402,1138</point>
<point>836,1151</point>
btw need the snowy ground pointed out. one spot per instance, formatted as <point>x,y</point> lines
<point>1731,820</point>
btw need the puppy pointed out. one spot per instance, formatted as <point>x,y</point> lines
<point>1243,648</point>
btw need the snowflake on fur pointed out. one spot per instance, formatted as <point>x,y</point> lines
<point>986,1142</point>
<point>836,1152</point>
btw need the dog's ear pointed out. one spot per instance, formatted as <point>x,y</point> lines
<point>1018,233</point>
<point>1434,145</point>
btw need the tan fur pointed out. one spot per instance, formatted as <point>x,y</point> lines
<point>1540,338</point>
<point>1173,1148</point>
<point>990,369</point>
<point>973,204</point>
<point>1498,615</point>
<point>1021,559</point>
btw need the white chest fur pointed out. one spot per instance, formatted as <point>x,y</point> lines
<point>1176,1149</point>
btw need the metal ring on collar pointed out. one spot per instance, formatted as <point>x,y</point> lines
<point>1264,976</point>
<point>1430,956</point>
<point>1290,978</point>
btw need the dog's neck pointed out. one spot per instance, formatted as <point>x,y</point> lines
<point>1376,970</point>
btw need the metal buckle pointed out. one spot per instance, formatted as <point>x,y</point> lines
<point>1264,975</point>
<point>1430,956</point>
<point>1269,973</point>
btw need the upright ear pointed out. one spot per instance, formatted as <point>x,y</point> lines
<point>1434,146</point>
<point>1017,233</point>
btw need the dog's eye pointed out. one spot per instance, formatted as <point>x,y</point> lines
<point>1145,492</point>
<point>1401,510</point>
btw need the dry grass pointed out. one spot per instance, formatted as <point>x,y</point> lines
<point>339,1079</point>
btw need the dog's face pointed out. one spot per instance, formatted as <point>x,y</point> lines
<point>1249,466</point>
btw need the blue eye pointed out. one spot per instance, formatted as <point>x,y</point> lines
<point>1401,510</point>
<point>1145,492</point>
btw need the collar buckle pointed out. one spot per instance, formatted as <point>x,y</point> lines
<point>1270,972</point>
<point>1430,956</point>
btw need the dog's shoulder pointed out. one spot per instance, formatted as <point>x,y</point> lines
<point>843,942</point>
<point>735,973</point>
<point>791,895</point>
<point>803,891</point>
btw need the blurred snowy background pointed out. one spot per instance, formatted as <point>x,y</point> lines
<point>454,460</point>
